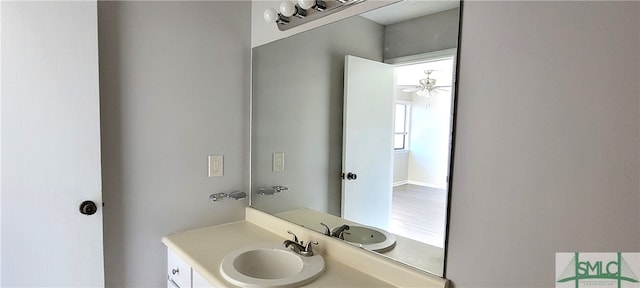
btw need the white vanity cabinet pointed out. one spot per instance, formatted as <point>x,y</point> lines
<point>181,275</point>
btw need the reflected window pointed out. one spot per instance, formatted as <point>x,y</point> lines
<point>401,133</point>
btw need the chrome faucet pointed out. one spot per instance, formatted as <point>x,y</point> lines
<point>237,195</point>
<point>337,232</point>
<point>327,230</point>
<point>299,247</point>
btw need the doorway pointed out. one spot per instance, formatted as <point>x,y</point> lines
<point>422,138</point>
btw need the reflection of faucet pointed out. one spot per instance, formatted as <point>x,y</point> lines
<point>338,232</point>
<point>299,247</point>
<point>327,230</point>
<point>272,190</point>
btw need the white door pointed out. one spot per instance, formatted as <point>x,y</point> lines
<point>367,141</point>
<point>50,151</point>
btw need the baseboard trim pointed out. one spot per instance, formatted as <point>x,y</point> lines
<point>400,183</point>
<point>426,184</point>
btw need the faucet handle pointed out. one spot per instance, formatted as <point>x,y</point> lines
<point>337,232</point>
<point>308,251</point>
<point>327,230</point>
<point>341,236</point>
<point>295,238</point>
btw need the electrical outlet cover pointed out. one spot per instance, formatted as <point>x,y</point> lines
<point>216,165</point>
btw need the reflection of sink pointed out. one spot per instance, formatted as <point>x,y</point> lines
<point>270,265</point>
<point>370,238</point>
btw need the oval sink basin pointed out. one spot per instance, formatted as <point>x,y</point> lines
<point>370,238</point>
<point>270,265</point>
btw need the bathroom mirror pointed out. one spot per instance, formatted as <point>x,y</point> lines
<point>351,125</point>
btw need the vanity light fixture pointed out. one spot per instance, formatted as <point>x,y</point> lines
<point>288,9</point>
<point>315,4</point>
<point>291,14</point>
<point>271,15</point>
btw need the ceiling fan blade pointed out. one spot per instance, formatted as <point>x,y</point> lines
<point>409,88</point>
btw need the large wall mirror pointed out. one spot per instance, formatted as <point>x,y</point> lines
<point>352,126</point>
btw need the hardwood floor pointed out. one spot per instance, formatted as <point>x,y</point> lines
<point>419,213</point>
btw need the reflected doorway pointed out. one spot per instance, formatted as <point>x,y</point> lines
<point>422,138</point>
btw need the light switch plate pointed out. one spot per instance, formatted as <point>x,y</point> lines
<point>216,165</point>
<point>278,162</point>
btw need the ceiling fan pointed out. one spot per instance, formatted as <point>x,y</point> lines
<point>427,87</point>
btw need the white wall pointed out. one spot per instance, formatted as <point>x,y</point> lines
<point>400,167</point>
<point>304,118</point>
<point>174,80</point>
<point>400,39</point>
<point>429,140</point>
<point>547,140</point>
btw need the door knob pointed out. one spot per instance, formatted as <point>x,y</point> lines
<point>88,208</point>
<point>351,176</point>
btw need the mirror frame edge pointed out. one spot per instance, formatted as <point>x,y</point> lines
<point>454,120</point>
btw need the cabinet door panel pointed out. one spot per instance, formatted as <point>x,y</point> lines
<point>178,271</point>
<point>199,282</point>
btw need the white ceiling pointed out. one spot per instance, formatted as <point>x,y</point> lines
<point>408,9</point>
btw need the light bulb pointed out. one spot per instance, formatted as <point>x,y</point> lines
<point>287,8</point>
<point>306,4</point>
<point>271,15</point>
<point>423,93</point>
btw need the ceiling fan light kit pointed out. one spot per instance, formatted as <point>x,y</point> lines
<point>427,87</point>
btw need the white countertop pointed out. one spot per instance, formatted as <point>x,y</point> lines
<point>203,249</point>
<point>345,265</point>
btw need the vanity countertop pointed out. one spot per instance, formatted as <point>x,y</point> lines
<point>203,249</point>
<point>345,265</point>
